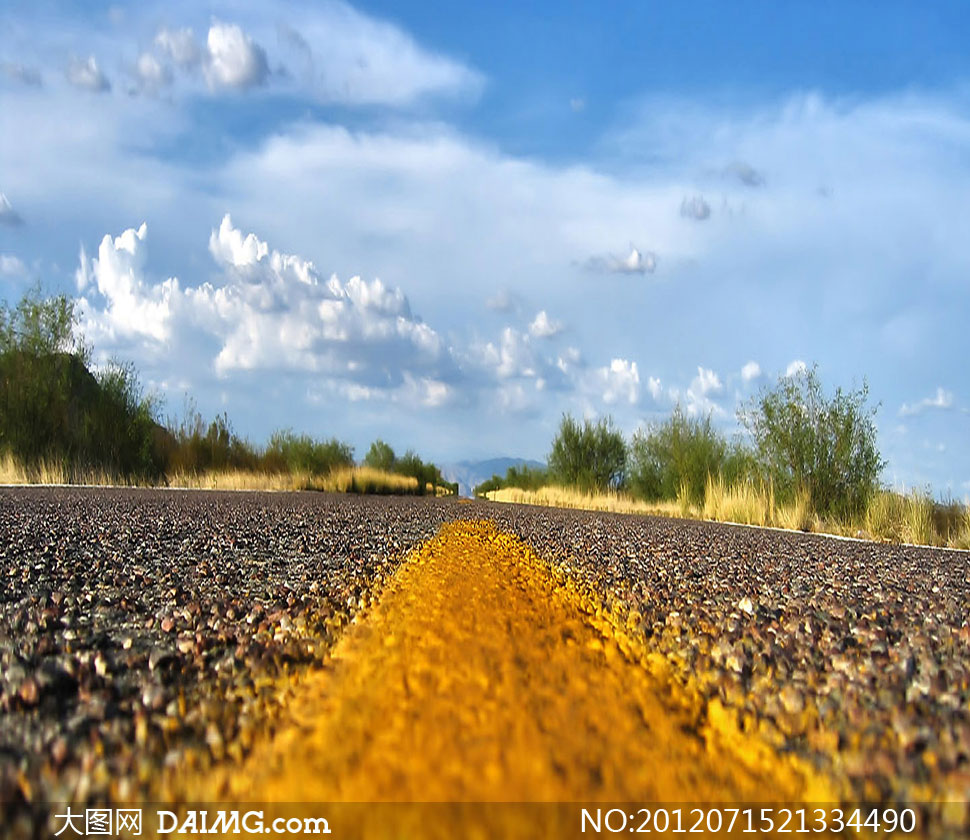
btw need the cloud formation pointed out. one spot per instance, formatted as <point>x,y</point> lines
<point>234,60</point>
<point>544,327</point>
<point>750,371</point>
<point>618,382</point>
<point>180,46</point>
<point>942,399</point>
<point>11,266</point>
<point>267,310</point>
<point>347,56</point>
<point>85,73</point>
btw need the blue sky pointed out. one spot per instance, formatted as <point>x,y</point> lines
<point>447,224</point>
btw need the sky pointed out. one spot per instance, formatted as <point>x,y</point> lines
<point>447,224</point>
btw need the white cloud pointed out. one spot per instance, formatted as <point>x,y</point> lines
<point>349,57</point>
<point>750,371</point>
<point>570,359</point>
<point>543,327</point>
<point>513,356</point>
<point>130,306</point>
<point>180,46</point>
<point>695,207</point>
<point>655,387</point>
<point>619,382</point>
<point>699,395</point>
<point>11,266</point>
<point>636,262</point>
<point>707,382</point>
<point>86,74</point>
<point>8,216</point>
<point>151,73</point>
<point>795,368</point>
<point>267,311</point>
<point>942,399</point>
<point>234,60</point>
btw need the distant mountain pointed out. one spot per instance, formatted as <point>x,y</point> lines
<point>469,474</point>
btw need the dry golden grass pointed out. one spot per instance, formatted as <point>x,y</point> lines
<point>345,480</point>
<point>890,517</point>
<point>49,472</point>
<point>239,480</point>
<point>364,480</point>
<point>565,498</point>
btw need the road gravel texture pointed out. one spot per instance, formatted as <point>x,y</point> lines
<point>144,630</point>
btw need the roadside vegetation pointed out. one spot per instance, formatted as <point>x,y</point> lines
<point>809,461</point>
<point>63,421</point>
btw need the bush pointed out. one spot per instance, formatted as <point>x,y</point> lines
<point>198,446</point>
<point>380,456</point>
<point>825,448</point>
<point>302,453</point>
<point>588,456</point>
<point>673,459</point>
<point>53,410</point>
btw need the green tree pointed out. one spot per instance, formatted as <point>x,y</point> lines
<point>53,409</point>
<point>380,456</point>
<point>824,446</point>
<point>680,451</point>
<point>588,456</point>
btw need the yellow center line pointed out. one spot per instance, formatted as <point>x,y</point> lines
<point>479,677</point>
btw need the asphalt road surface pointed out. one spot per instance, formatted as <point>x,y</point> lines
<point>148,638</point>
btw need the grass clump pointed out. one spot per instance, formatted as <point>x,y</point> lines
<point>918,519</point>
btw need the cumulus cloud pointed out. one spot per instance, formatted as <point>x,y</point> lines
<point>695,207</point>
<point>636,262</point>
<point>513,356</point>
<point>8,216</point>
<point>120,302</point>
<point>942,399</point>
<point>543,327</point>
<point>750,371</point>
<point>234,60</point>
<point>655,387</point>
<point>11,266</point>
<point>795,368</point>
<point>85,73</point>
<point>267,310</point>
<point>21,73</point>
<point>618,382</point>
<point>700,393</point>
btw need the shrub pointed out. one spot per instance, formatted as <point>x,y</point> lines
<point>54,411</point>
<point>589,456</point>
<point>674,457</point>
<point>380,456</point>
<point>825,447</point>
<point>302,453</point>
